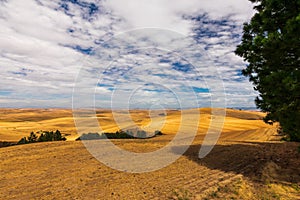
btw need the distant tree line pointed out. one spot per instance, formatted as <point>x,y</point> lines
<point>6,144</point>
<point>44,136</point>
<point>120,134</point>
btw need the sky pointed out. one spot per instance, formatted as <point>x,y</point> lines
<point>123,54</point>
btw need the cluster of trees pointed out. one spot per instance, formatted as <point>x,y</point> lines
<point>271,47</point>
<point>117,135</point>
<point>44,136</point>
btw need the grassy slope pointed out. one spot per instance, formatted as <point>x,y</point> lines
<point>244,164</point>
<point>17,123</point>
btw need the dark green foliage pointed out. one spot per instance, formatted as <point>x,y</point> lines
<point>45,136</point>
<point>158,133</point>
<point>32,138</point>
<point>23,141</point>
<point>6,144</point>
<point>89,136</point>
<point>117,135</point>
<point>271,46</point>
<point>51,136</point>
<point>57,136</point>
<point>96,136</point>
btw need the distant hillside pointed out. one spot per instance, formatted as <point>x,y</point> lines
<point>18,123</point>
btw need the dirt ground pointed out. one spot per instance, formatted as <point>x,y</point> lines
<point>248,162</point>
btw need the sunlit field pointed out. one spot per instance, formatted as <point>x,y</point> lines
<point>248,162</point>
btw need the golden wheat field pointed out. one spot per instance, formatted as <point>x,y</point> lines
<point>248,162</point>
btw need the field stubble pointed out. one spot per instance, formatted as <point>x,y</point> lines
<point>248,162</point>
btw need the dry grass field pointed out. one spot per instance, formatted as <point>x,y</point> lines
<point>248,162</point>
<point>239,125</point>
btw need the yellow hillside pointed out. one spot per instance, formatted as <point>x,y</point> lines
<point>239,125</point>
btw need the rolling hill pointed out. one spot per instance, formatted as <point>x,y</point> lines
<point>248,162</point>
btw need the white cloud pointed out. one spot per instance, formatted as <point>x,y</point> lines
<point>168,13</point>
<point>42,46</point>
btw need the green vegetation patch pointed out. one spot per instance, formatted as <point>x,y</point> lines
<point>42,136</point>
<point>140,134</point>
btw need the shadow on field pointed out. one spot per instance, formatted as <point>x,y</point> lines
<point>262,162</point>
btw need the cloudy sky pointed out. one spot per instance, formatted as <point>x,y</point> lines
<point>133,53</point>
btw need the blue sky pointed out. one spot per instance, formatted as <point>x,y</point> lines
<point>46,45</point>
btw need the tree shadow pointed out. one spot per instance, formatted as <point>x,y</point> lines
<point>261,162</point>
